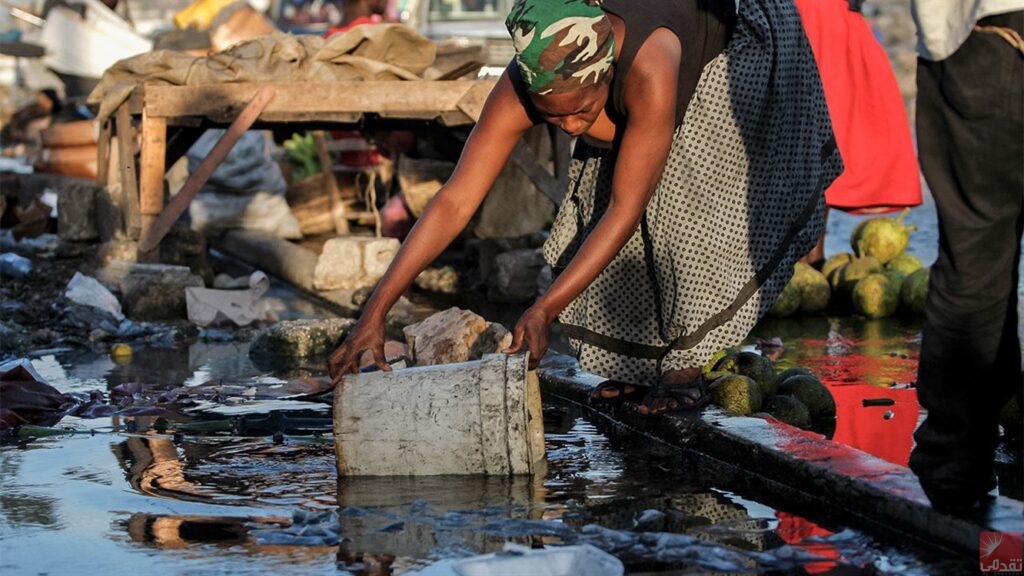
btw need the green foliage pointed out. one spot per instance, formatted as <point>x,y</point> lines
<point>301,151</point>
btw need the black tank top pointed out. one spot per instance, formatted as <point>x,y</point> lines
<point>702,26</point>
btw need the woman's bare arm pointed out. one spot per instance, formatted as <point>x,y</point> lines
<point>502,123</point>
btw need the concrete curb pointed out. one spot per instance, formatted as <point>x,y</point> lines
<point>801,468</point>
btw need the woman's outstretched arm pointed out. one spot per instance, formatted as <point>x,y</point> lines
<point>502,123</point>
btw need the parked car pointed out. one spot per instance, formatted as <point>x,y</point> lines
<point>476,26</point>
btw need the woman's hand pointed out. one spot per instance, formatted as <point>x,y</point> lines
<point>365,335</point>
<point>531,330</point>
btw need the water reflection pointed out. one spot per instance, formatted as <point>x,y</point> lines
<point>20,507</point>
<point>870,366</point>
<point>180,532</point>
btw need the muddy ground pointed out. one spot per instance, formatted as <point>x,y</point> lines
<point>34,314</point>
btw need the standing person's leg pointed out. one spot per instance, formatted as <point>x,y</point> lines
<point>971,148</point>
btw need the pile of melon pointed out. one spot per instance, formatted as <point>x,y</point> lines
<point>745,383</point>
<point>878,279</point>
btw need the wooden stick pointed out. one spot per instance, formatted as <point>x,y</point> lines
<point>162,225</point>
<point>333,196</point>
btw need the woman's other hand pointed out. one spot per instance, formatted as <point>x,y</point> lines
<point>365,336</point>
<point>532,332</point>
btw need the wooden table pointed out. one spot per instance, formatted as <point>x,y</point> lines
<point>169,119</point>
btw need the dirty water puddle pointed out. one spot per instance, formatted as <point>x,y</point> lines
<point>117,495</point>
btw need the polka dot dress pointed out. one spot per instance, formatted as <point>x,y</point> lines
<point>740,200</point>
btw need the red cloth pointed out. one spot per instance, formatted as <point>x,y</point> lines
<point>867,112</point>
<point>371,19</point>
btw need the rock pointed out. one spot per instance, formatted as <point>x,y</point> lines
<point>393,350</point>
<point>152,292</point>
<point>454,335</point>
<point>76,210</point>
<point>444,280</point>
<point>300,338</point>
<point>515,277</point>
<point>484,252</point>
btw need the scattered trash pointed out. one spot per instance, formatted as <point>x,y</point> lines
<point>207,306</point>
<point>17,165</point>
<point>27,398</point>
<point>555,561</point>
<point>121,353</point>
<point>14,266</point>
<point>88,291</point>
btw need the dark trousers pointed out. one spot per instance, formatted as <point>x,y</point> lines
<point>970,129</point>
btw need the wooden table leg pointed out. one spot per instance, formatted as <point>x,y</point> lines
<point>103,153</point>
<point>152,168</point>
<point>333,195</point>
<point>129,180</point>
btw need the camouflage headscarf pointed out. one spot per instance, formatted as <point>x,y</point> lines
<point>561,45</point>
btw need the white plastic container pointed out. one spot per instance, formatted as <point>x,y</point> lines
<point>477,417</point>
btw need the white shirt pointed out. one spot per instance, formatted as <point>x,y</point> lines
<point>943,25</point>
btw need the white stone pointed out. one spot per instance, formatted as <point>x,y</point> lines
<point>348,263</point>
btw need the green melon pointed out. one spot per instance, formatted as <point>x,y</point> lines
<point>736,394</point>
<point>877,295</point>
<point>882,238</point>
<point>794,371</point>
<point>815,395</point>
<point>835,262</point>
<point>758,368</point>
<point>914,291</point>
<point>787,409</point>
<point>707,371</point>
<point>813,286</point>
<point>904,263</point>
<point>848,276</point>
<point>788,302</point>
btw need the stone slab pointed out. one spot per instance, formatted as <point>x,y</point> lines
<point>812,471</point>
